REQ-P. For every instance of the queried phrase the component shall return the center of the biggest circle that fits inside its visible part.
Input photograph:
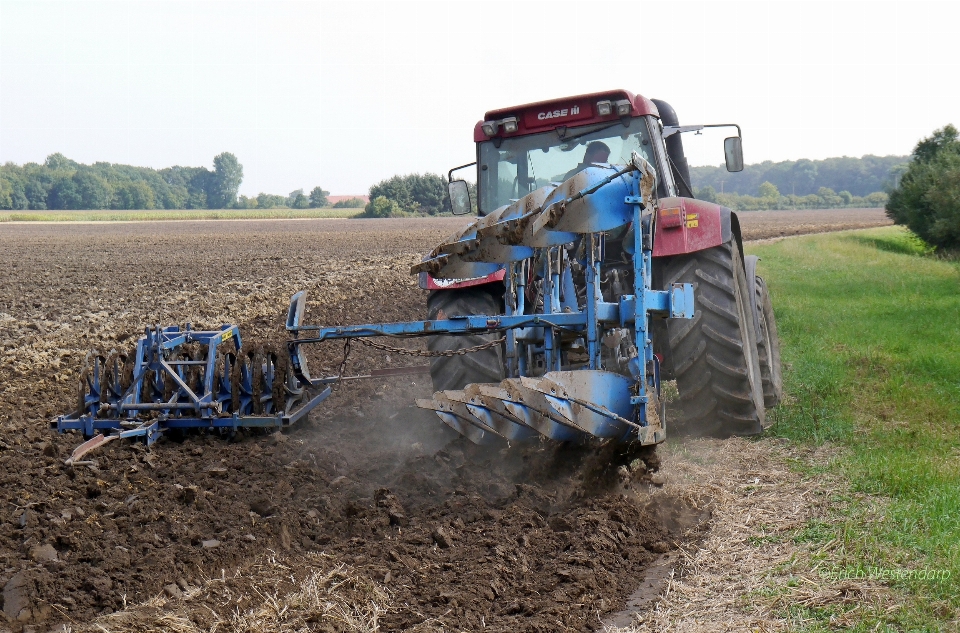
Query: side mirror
(733, 153)
(459, 197)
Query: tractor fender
(427, 282)
(686, 225)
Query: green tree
(707, 194)
(64, 195)
(768, 190)
(382, 207)
(94, 191)
(270, 201)
(318, 198)
(134, 195)
(394, 189)
(297, 200)
(59, 162)
(225, 181)
(36, 194)
(6, 194)
(830, 198)
(927, 200)
(847, 198)
(929, 149)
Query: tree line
(296, 199)
(769, 198)
(61, 183)
(64, 184)
(860, 177)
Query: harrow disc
(112, 377)
(89, 387)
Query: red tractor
(726, 360)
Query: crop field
(366, 516)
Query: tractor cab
(510, 168)
(524, 148)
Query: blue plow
(562, 381)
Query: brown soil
(520, 540)
(759, 225)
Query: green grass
(870, 330)
(179, 214)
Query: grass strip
(870, 329)
(179, 214)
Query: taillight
(671, 218)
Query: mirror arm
(450, 173)
(670, 130)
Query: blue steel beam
(623, 313)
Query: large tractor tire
(768, 347)
(455, 372)
(714, 355)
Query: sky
(345, 94)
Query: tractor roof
(578, 110)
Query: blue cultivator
(185, 379)
(575, 366)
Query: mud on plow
(574, 335)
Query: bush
(927, 200)
(381, 207)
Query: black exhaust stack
(681, 171)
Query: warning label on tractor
(693, 220)
(226, 336)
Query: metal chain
(429, 354)
(343, 363)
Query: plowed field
(452, 537)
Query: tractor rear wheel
(455, 372)
(768, 348)
(714, 355)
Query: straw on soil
(749, 573)
(320, 594)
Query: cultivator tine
(94, 442)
